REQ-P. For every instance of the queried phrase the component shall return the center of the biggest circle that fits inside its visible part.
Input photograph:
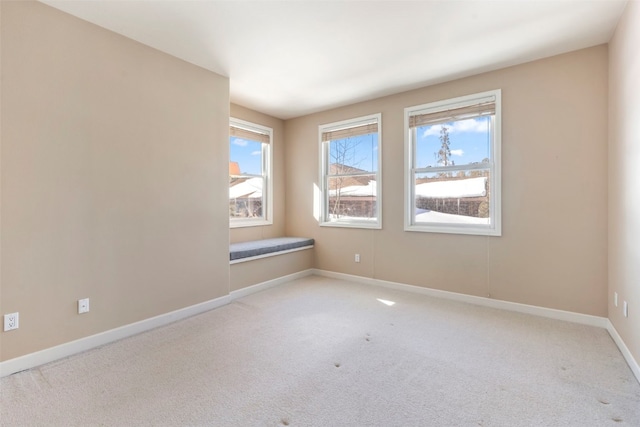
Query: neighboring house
(455, 195)
(352, 196)
(245, 194)
(355, 196)
(245, 197)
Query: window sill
(352, 224)
(448, 229)
(240, 223)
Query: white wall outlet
(615, 299)
(11, 321)
(83, 305)
(625, 309)
(357, 257)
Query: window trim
(324, 165)
(267, 175)
(495, 166)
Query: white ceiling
(291, 58)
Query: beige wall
(277, 228)
(553, 251)
(624, 176)
(114, 158)
(244, 274)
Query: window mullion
(454, 168)
(349, 175)
(247, 175)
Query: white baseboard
(584, 319)
(32, 360)
(633, 364)
(551, 313)
(41, 357)
(269, 284)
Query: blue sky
(248, 154)
(469, 142)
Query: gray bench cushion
(267, 246)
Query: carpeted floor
(325, 352)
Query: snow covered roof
(357, 190)
(251, 188)
(471, 187)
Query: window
(250, 188)
(453, 165)
(350, 168)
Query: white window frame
(494, 228)
(267, 163)
(324, 218)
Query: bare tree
(344, 160)
(444, 154)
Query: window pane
(460, 197)
(352, 197)
(355, 154)
(245, 197)
(247, 155)
(460, 142)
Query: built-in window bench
(256, 249)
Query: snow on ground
(357, 190)
(426, 216)
(443, 218)
(351, 218)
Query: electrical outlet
(357, 257)
(83, 305)
(615, 299)
(625, 309)
(11, 321)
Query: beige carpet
(324, 352)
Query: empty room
(320, 213)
